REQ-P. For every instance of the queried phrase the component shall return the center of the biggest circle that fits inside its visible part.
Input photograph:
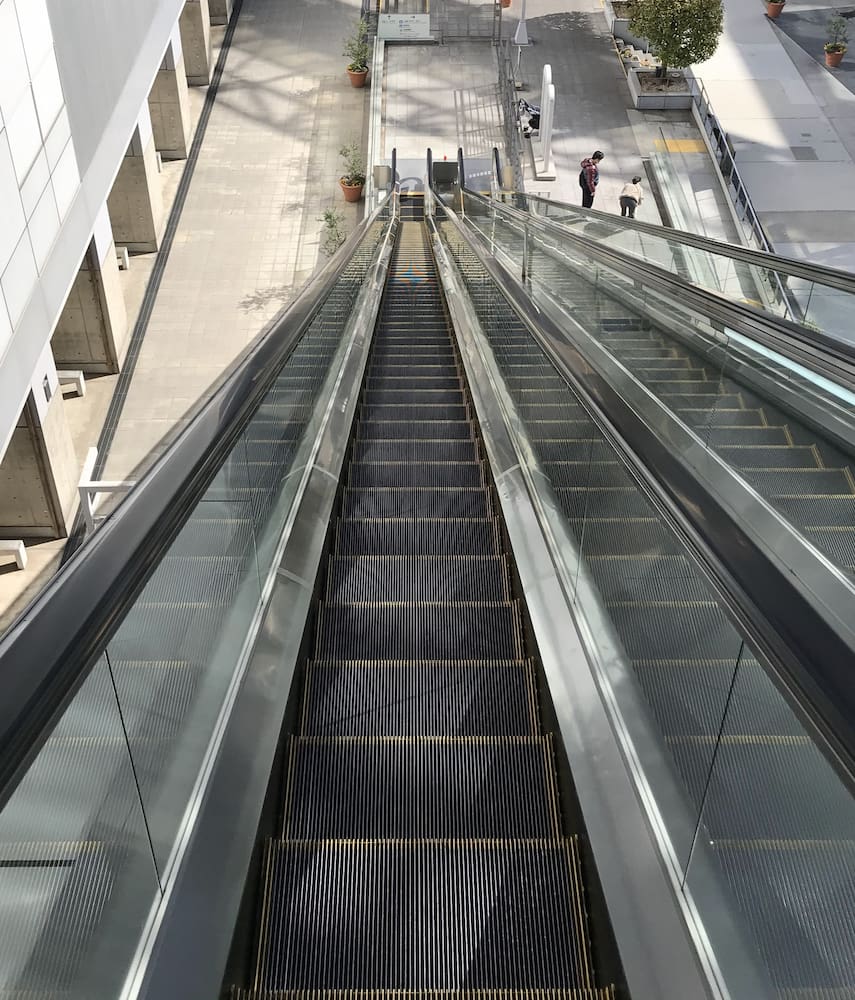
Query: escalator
(795, 465)
(690, 664)
(421, 795)
(330, 688)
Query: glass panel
(77, 879)
(780, 826)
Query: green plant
(837, 35)
(357, 48)
(681, 32)
(354, 165)
(333, 235)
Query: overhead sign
(404, 27)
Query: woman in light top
(630, 197)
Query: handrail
(784, 335)
(820, 273)
(50, 649)
(809, 650)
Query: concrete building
(93, 94)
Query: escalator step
(419, 632)
(413, 412)
(390, 428)
(701, 400)
(414, 698)
(425, 537)
(427, 789)
(789, 481)
(408, 994)
(612, 536)
(424, 916)
(624, 578)
(718, 416)
(414, 450)
(398, 396)
(408, 474)
(429, 502)
(590, 474)
(211, 535)
(412, 381)
(837, 543)
(416, 579)
(612, 501)
(745, 456)
(833, 510)
(679, 631)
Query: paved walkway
(792, 124)
(249, 231)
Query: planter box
(619, 27)
(656, 101)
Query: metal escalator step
(774, 788)
(663, 375)
(549, 412)
(785, 456)
(833, 510)
(415, 450)
(718, 416)
(168, 632)
(653, 578)
(430, 502)
(607, 993)
(722, 436)
(368, 430)
(607, 501)
(621, 536)
(416, 698)
(561, 395)
(430, 396)
(618, 325)
(801, 943)
(789, 481)
(362, 579)
(418, 536)
(413, 412)
(429, 789)
(581, 449)
(651, 351)
(589, 474)
(195, 579)
(837, 543)
(419, 632)
(212, 535)
(700, 400)
(380, 365)
(572, 427)
(675, 631)
(423, 916)
(392, 474)
(519, 383)
(412, 380)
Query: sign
(404, 27)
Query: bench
(16, 548)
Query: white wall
(38, 167)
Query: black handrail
(837, 355)
(51, 648)
(812, 657)
(461, 169)
(498, 166)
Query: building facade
(93, 94)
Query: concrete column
(221, 11)
(39, 471)
(92, 331)
(169, 104)
(195, 27)
(135, 202)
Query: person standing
(630, 198)
(589, 178)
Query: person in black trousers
(589, 178)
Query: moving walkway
(401, 673)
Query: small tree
(354, 165)
(357, 47)
(681, 32)
(333, 235)
(837, 35)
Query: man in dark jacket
(589, 178)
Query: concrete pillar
(39, 471)
(135, 202)
(92, 331)
(195, 27)
(169, 104)
(221, 11)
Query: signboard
(404, 27)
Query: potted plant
(353, 179)
(836, 44)
(333, 235)
(357, 48)
(774, 8)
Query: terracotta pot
(773, 9)
(833, 58)
(357, 78)
(352, 192)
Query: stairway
(421, 851)
(775, 814)
(809, 480)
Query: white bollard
(546, 119)
(544, 89)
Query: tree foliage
(681, 32)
